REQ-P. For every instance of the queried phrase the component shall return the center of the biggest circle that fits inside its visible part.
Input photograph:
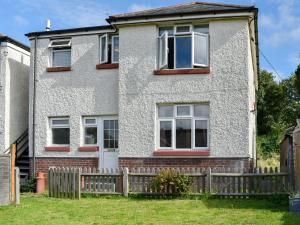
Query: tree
(297, 80)
(270, 97)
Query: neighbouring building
(14, 96)
(166, 87)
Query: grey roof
(187, 8)
(5, 38)
(70, 30)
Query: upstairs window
(60, 131)
(61, 52)
(183, 47)
(109, 49)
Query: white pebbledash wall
(133, 92)
(84, 91)
(14, 83)
(229, 88)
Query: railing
(71, 182)
(21, 144)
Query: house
(166, 87)
(14, 96)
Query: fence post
(79, 183)
(209, 180)
(12, 169)
(125, 182)
(17, 183)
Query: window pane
(60, 122)
(183, 133)
(183, 111)
(90, 121)
(200, 133)
(165, 133)
(165, 111)
(201, 29)
(103, 56)
(200, 49)
(60, 136)
(116, 49)
(111, 133)
(170, 31)
(90, 137)
(201, 111)
(183, 52)
(61, 58)
(183, 29)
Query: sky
(279, 22)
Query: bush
(171, 182)
(28, 185)
(267, 145)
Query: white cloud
(138, 7)
(20, 21)
(284, 25)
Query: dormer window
(109, 49)
(183, 47)
(61, 52)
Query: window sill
(88, 149)
(58, 69)
(58, 149)
(181, 152)
(107, 66)
(182, 71)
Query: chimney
(48, 25)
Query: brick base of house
(43, 164)
(239, 164)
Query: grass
(42, 210)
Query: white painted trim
(105, 60)
(175, 18)
(112, 48)
(60, 50)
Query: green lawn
(117, 210)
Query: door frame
(100, 126)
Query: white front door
(109, 143)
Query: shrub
(28, 185)
(171, 182)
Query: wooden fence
(71, 182)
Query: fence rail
(71, 182)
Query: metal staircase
(22, 155)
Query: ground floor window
(183, 126)
(102, 131)
(60, 131)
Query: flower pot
(294, 204)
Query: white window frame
(60, 46)
(193, 120)
(51, 126)
(61, 50)
(193, 49)
(172, 138)
(102, 132)
(190, 34)
(105, 60)
(112, 48)
(88, 125)
(182, 25)
(163, 63)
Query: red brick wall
(237, 163)
(42, 164)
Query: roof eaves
(4, 38)
(71, 30)
(115, 19)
